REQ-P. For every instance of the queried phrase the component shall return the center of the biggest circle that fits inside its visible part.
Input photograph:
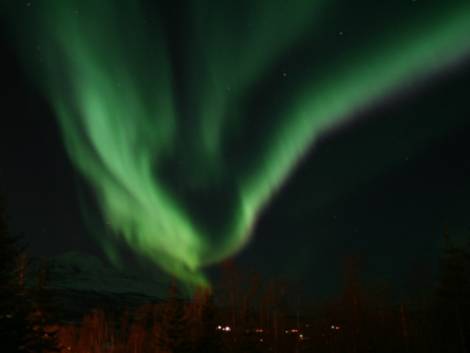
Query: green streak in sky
(168, 111)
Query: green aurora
(187, 119)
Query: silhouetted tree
(43, 310)
(22, 325)
(202, 316)
(453, 302)
(13, 310)
(174, 333)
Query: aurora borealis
(186, 120)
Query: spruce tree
(453, 301)
(22, 329)
(173, 336)
(209, 339)
(13, 302)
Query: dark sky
(384, 187)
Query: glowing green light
(114, 75)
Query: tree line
(244, 313)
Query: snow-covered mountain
(79, 271)
(78, 283)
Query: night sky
(384, 185)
